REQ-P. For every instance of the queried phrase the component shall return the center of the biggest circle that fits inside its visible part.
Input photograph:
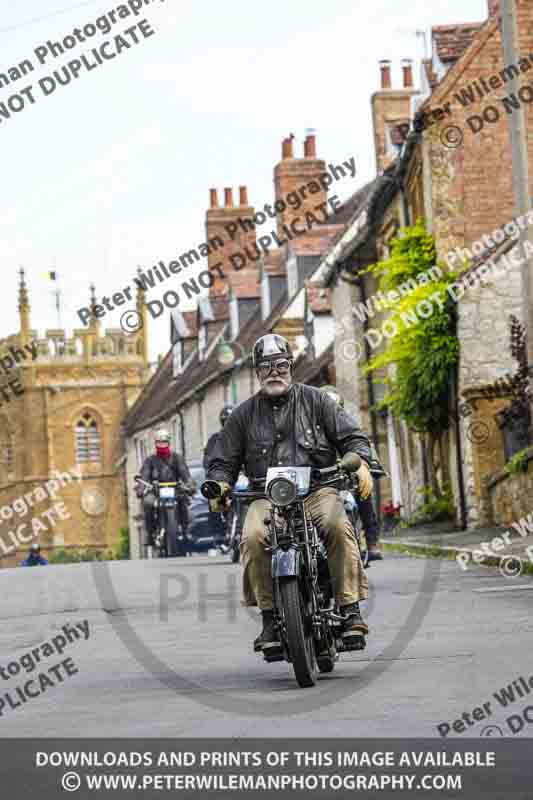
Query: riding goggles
(282, 367)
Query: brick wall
(472, 183)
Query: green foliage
(413, 251)
(424, 351)
(519, 462)
(77, 556)
(433, 509)
(74, 556)
(122, 551)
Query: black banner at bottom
(266, 768)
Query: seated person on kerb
(34, 559)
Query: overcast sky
(114, 169)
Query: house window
(87, 440)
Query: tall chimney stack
(385, 74)
(291, 175)
(229, 233)
(310, 146)
(407, 67)
(286, 148)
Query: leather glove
(366, 484)
(223, 502)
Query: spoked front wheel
(299, 633)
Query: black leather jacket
(166, 470)
(209, 448)
(305, 427)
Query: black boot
(374, 553)
(268, 635)
(355, 629)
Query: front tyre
(171, 532)
(299, 636)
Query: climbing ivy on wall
(425, 349)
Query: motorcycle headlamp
(281, 491)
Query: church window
(88, 448)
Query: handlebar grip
(351, 462)
(211, 490)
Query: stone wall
(511, 496)
(483, 331)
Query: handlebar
(180, 485)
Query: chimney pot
(286, 148)
(384, 66)
(407, 66)
(310, 146)
(228, 196)
(213, 198)
(243, 196)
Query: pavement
(169, 653)
(504, 548)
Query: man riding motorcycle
(163, 466)
(292, 424)
(366, 505)
(215, 520)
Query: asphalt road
(169, 654)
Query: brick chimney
(390, 107)
(407, 69)
(228, 231)
(292, 174)
(384, 67)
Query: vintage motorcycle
(171, 538)
(306, 617)
(236, 519)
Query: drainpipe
(371, 402)
(179, 412)
(458, 451)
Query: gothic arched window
(87, 440)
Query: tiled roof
(352, 206)
(451, 41)
(318, 298)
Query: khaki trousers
(326, 509)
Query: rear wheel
(299, 634)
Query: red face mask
(163, 450)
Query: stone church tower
(62, 402)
